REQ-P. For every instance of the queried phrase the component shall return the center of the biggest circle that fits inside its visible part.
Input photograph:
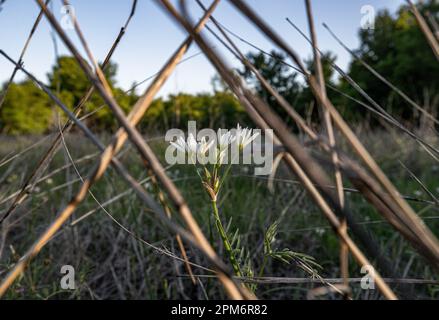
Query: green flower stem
(264, 263)
(225, 239)
(226, 173)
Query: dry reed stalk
(380, 77)
(167, 209)
(433, 23)
(432, 41)
(344, 252)
(20, 59)
(264, 118)
(286, 280)
(378, 110)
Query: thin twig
(20, 59)
(434, 44)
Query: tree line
(395, 48)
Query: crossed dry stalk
(20, 59)
(432, 40)
(344, 252)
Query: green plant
(304, 261)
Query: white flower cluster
(241, 136)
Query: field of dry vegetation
(351, 202)
(136, 261)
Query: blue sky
(152, 36)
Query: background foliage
(396, 48)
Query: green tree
(68, 78)
(225, 111)
(285, 81)
(278, 74)
(26, 110)
(398, 50)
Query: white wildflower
(179, 144)
(224, 140)
(191, 147)
(204, 146)
(244, 136)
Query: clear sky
(152, 36)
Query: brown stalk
(378, 110)
(433, 23)
(380, 77)
(344, 253)
(162, 200)
(425, 29)
(286, 280)
(23, 52)
(143, 148)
